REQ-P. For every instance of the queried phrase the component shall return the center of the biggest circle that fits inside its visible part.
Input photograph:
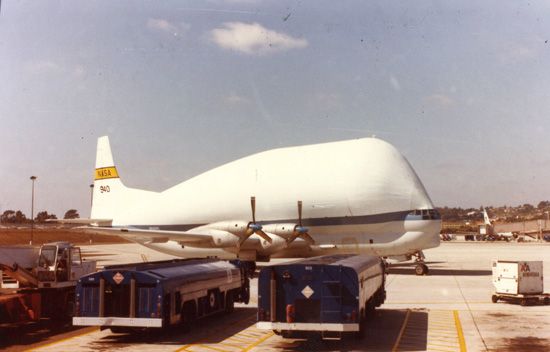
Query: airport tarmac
(448, 310)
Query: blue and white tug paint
(325, 296)
(354, 196)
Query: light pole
(547, 218)
(33, 178)
(92, 194)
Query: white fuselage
(358, 196)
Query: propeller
(253, 227)
(299, 230)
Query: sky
(462, 89)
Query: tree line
(18, 217)
(503, 213)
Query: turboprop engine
(224, 239)
(277, 243)
(289, 231)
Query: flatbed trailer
(323, 297)
(132, 297)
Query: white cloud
(519, 52)
(42, 66)
(234, 99)
(253, 39)
(184, 27)
(328, 100)
(163, 25)
(79, 71)
(395, 83)
(439, 100)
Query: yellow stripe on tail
(106, 172)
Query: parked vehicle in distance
(324, 297)
(519, 282)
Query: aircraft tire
(421, 269)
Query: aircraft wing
(82, 221)
(196, 236)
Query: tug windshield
(47, 257)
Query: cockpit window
(426, 214)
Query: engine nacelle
(282, 230)
(277, 244)
(236, 227)
(224, 239)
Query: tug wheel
(494, 298)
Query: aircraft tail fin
(486, 217)
(111, 197)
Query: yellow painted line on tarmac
(441, 326)
(268, 335)
(63, 340)
(442, 349)
(212, 348)
(445, 331)
(196, 342)
(250, 334)
(243, 341)
(247, 346)
(232, 345)
(459, 331)
(444, 338)
(398, 341)
(453, 346)
(240, 339)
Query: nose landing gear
(420, 268)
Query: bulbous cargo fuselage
(358, 195)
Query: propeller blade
(306, 237)
(299, 230)
(264, 236)
(300, 213)
(249, 231)
(254, 228)
(302, 232)
(294, 236)
(257, 229)
(253, 206)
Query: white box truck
(519, 281)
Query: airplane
(490, 229)
(352, 196)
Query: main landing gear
(420, 268)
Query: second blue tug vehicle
(323, 297)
